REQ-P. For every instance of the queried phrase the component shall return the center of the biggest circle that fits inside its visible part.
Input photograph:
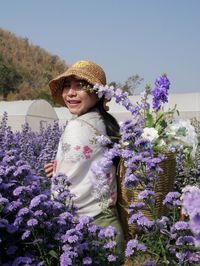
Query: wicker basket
(126, 196)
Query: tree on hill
(9, 79)
(130, 85)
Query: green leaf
(149, 119)
(53, 254)
(161, 126)
(182, 131)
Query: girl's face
(77, 100)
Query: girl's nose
(72, 91)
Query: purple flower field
(34, 228)
(39, 229)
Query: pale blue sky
(126, 37)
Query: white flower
(150, 133)
(182, 132)
(125, 143)
(162, 143)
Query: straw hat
(84, 70)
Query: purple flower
(3, 223)
(32, 222)
(197, 241)
(26, 234)
(93, 228)
(84, 220)
(160, 92)
(141, 220)
(135, 217)
(126, 153)
(179, 226)
(188, 256)
(21, 170)
(65, 260)
(103, 140)
(163, 222)
(145, 194)
(11, 228)
(18, 221)
(23, 211)
(131, 181)
(71, 236)
(195, 224)
(20, 260)
(107, 232)
(37, 200)
(145, 222)
(172, 199)
(18, 190)
(110, 244)
(182, 240)
(119, 95)
(134, 207)
(191, 200)
(38, 213)
(11, 250)
(105, 91)
(3, 200)
(132, 246)
(87, 261)
(153, 162)
(14, 205)
(112, 258)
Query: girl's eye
(66, 85)
(79, 85)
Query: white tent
(63, 115)
(188, 104)
(35, 112)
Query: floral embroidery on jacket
(77, 147)
(77, 152)
(66, 147)
(113, 198)
(87, 152)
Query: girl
(77, 154)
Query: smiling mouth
(73, 102)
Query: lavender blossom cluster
(36, 229)
(160, 92)
(163, 240)
(191, 203)
(188, 172)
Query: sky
(125, 37)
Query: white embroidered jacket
(75, 157)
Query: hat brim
(56, 84)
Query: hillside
(25, 69)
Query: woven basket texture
(127, 196)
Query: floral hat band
(83, 70)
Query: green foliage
(9, 79)
(149, 119)
(26, 69)
(130, 85)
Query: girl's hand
(49, 168)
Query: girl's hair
(111, 124)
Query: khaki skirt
(112, 218)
